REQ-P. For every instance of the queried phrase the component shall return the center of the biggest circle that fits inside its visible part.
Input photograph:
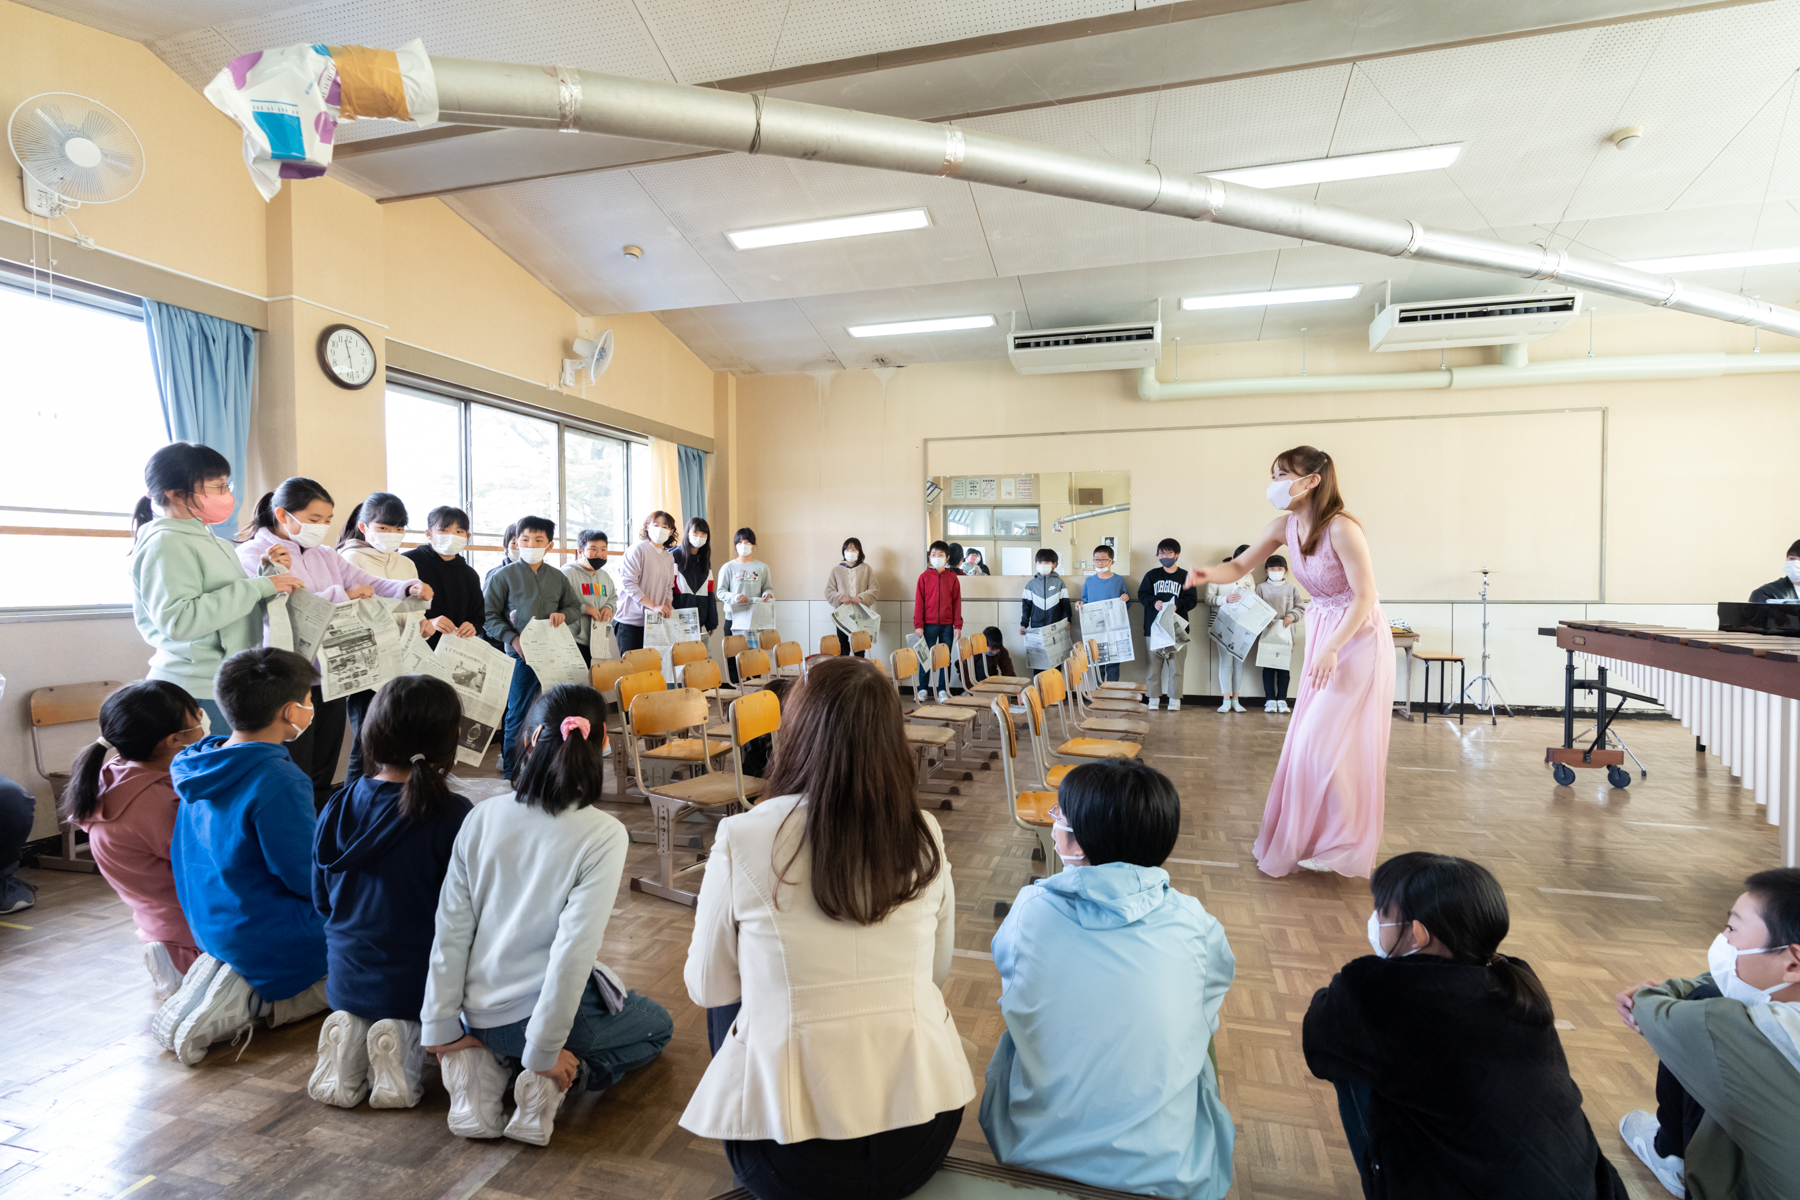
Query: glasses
(1056, 814)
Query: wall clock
(346, 356)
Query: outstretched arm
(1230, 572)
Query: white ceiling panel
(767, 337)
(833, 315)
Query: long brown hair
(1323, 502)
(843, 747)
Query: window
(82, 417)
(968, 522)
(501, 463)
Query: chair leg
(663, 885)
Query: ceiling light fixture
(1260, 299)
(937, 325)
(1347, 166)
(831, 227)
(1717, 262)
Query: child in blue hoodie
(243, 864)
(379, 859)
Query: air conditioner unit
(1483, 321)
(1087, 348)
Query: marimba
(1738, 692)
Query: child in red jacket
(937, 613)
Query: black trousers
(1275, 684)
(356, 707)
(844, 645)
(1678, 1114)
(882, 1166)
(316, 750)
(1353, 1111)
(630, 637)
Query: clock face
(346, 356)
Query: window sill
(88, 612)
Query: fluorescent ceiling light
(1259, 299)
(939, 325)
(1715, 262)
(1348, 166)
(833, 227)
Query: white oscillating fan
(74, 151)
(596, 355)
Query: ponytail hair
(1462, 905)
(133, 721)
(414, 720)
(179, 467)
(293, 494)
(381, 508)
(563, 769)
(1323, 502)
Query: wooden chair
(928, 742)
(603, 677)
(1072, 750)
(67, 704)
(1127, 691)
(978, 704)
(1074, 670)
(753, 670)
(768, 639)
(683, 653)
(1094, 698)
(860, 642)
(630, 686)
(732, 645)
(643, 660)
(1030, 810)
(789, 660)
(830, 646)
(960, 719)
(678, 720)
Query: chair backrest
(906, 663)
(788, 654)
(978, 643)
(703, 675)
(1075, 670)
(604, 675)
(683, 653)
(635, 685)
(753, 663)
(1009, 749)
(1092, 648)
(940, 657)
(861, 643)
(754, 715)
(1034, 709)
(66, 704)
(654, 714)
(735, 644)
(643, 660)
(1050, 687)
(830, 645)
(768, 639)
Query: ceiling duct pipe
(577, 101)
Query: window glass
(641, 504)
(424, 453)
(594, 474)
(73, 370)
(1016, 522)
(967, 522)
(512, 474)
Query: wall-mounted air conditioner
(1483, 321)
(1122, 347)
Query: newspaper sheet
(762, 615)
(663, 633)
(308, 616)
(360, 650)
(1107, 623)
(416, 657)
(1276, 649)
(916, 643)
(281, 625)
(857, 618)
(1169, 629)
(1047, 646)
(552, 653)
(1236, 626)
(482, 676)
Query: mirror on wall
(1009, 517)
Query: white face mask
(531, 554)
(1103, 568)
(309, 535)
(659, 535)
(1793, 570)
(1069, 860)
(1045, 568)
(938, 561)
(448, 543)
(1277, 576)
(745, 550)
(696, 540)
(387, 543)
(1721, 960)
(850, 556)
(1376, 925)
(1279, 492)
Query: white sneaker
(176, 1008)
(538, 1103)
(924, 696)
(1174, 704)
(162, 971)
(341, 1076)
(1268, 706)
(1225, 707)
(396, 1060)
(1313, 864)
(1281, 706)
(223, 1013)
(1153, 701)
(1237, 705)
(476, 1084)
(1638, 1128)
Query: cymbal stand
(1490, 707)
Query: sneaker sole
(175, 1009)
(464, 1121)
(396, 1060)
(339, 1044)
(187, 1049)
(536, 1129)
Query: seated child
(1728, 1085)
(760, 752)
(127, 805)
(532, 881)
(379, 859)
(1109, 934)
(997, 660)
(243, 863)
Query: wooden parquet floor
(1606, 888)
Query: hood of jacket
(121, 782)
(359, 825)
(183, 526)
(209, 768)
(1109, 896)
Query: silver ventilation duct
(577, 101)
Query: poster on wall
(1007, 487)
(959, 488)
(1026, 487)
(990, 490)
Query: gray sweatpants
(1165, 672)
(1231, 672)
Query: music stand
(1491, 708)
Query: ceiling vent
(1484, 321)
(1085, 348)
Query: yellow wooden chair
(750, 718)
(1030, 809)
(1050, 774)
(674, 719)
(861, 643)
(643, 660)
(960, 719)
(683, 653)
(1125, 691)
(768, 639)
(603, 677)
(1108, 724)
(753, 670)
(977, 703)
(928, 742)
(1096, 695)
(789, 660)
(1072, 751)
(630, 686)
(830, 646)
(703, 676)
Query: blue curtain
(205, 367)
(692, 465)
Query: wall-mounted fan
(74, 151)
(595, 356)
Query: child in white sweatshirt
(514, 981)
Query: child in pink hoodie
(127, 805)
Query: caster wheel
(1619, 777)
(1563, 773)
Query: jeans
(1353, 1111)
(881, 1166)
(630, 637)
(356, 707)
(1678, 1114)
(935, 635)
(1275, 684)
(609, 1043)
(1109, 673)
(519, 698)
(316, 750)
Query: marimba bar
(1738, 692)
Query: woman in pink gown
(1326, 802)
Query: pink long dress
(1327, 799)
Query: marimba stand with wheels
(1566, 758)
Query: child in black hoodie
(1159, 588)
(379, 857)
